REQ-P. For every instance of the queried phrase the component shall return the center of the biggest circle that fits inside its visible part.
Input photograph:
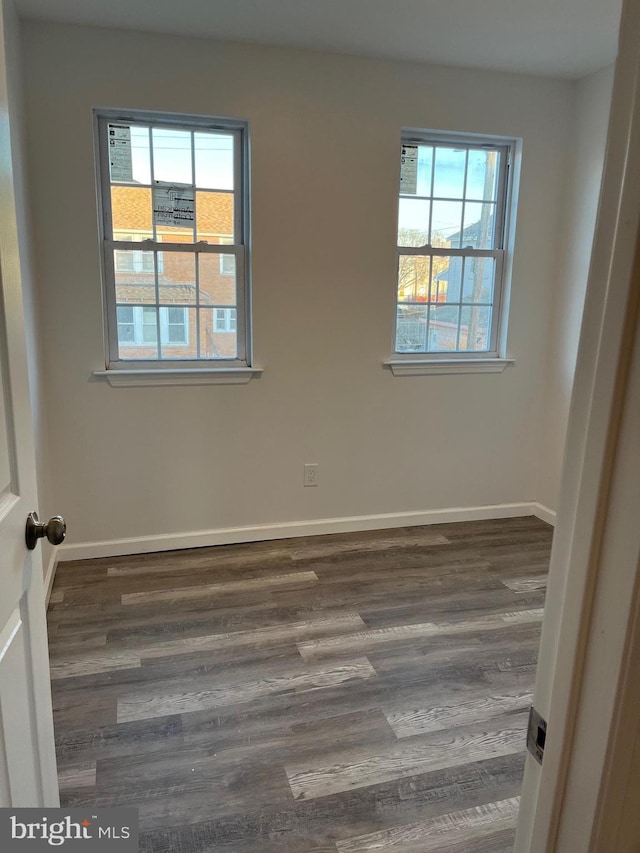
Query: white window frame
(239, 248)
(139, 324)
(425, 361)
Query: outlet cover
(311, 474)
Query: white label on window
(120, 153)
(409, 169)
(173, 204)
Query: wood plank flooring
(336, 694)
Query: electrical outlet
(311, 474)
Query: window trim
(241, 249)
(505, 222)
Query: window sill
(179, 376)
(419, 366)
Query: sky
(449, 190)
(172, 158)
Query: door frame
(566, 802)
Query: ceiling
(557, 38)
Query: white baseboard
(290, 529)
(50, 574)
(544, 513)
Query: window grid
(236, 248)
(155, 254)
(462, 220)
(495, 202)
(195, 236)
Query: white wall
(589, 135)
(325, 133)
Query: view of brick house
(184, 293)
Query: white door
(27, 753)
(590, 637)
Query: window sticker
(409, 169)
(120, 153)
(173, 204)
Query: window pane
(446, 224)
(413, 222)
(131, 213)
(177, 277)
(134, 263)
(125, 333)
(123, 261)
(175, 333)
(475, 327)
(172, 155)
(447, 279)
(413, 278)
(448, 178)
(214, 217)
(176, 321)
(129, 160)
(135, 279)
(411, 328)
(479, 225)
(125, 314)
(174, 212)
(214, 343)
(119, 148)
(443, 328)
(217, 279)
(482, 175)
(425, 165)
(126, 329)
(140, 155)
(479, 277)
(214, 161)
(227, 264)
(136, 337)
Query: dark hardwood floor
(336, 694)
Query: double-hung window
(451, 246)
(174, 223)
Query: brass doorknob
(55, 530)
